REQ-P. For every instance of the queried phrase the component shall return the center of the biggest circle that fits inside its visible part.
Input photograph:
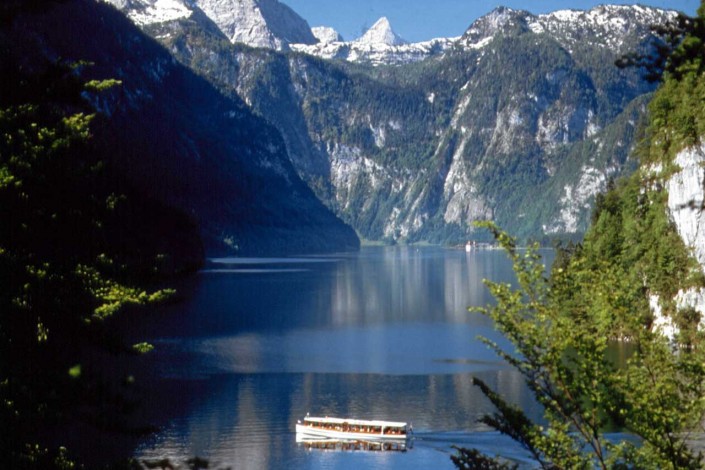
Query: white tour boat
(362, 429)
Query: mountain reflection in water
(380, 334)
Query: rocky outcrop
(326, 35)
(686, 199)
(686, 207)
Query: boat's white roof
(357, 422)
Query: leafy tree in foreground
(681, 45)
(561, 328)
(62, 274)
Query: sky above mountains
(420, 20)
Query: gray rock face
(686, 203)
(686, 199)
(258, 23)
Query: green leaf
(75, 371)
(142, 348)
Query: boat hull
(347, 435)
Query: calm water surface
(383, 334)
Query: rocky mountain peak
(258, 23)
(613, 27)
(499, 20)
(381, 33)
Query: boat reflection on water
(326, 444)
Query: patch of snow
(396, 125)
(158, 11)
(379, 135)
(460, 110)
(326, 35)
(377, 53)
(479, 44)
(604, 26)
(576, 199)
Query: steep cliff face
(686, 209)
(686, 199)
(531, 151)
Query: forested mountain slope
(523, 120)
(178, 139)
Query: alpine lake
(254, 344)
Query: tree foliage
(62, 275)
(680, 49)
(561, 327)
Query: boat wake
(491, 443)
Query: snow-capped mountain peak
(498, 20)
(381, 33)
(258, 23)
(607, 26)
